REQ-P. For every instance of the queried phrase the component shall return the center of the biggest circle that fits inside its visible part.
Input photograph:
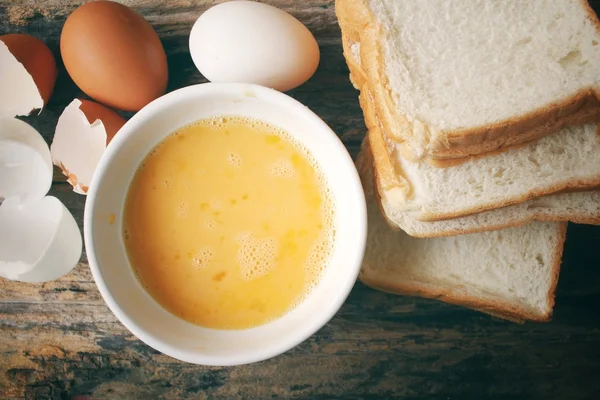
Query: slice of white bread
(579, 207)
(453, 78)
(510, 273)
(568, 160)
(565, 161)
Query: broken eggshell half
(27, 74)
(83, 131)
(39, 238)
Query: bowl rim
(314, 324)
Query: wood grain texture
(58, 340)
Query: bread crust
(359, 24)
(497, 308)
(515, 223)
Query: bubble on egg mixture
(315, 265)
(203, 258)
(210, 224)
(234, 159)
(282, 169)
(320, 253)
(256, 257)
(182, 209)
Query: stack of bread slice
(483, 142)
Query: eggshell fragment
(25, 162)
(27, 74)
(252, 42)
(39, 238)
(39, 241)
(83, 131)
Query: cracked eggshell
(25, 162)
(39, 241)
(83, 131)
(27, 74)
(39, 238)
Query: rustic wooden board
(58, 340)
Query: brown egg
(37, 59)
(114, 55)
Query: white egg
(251, 42)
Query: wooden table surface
(59, 340)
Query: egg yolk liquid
(228, 223)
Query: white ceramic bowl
(117, 283)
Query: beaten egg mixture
(228, 223)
